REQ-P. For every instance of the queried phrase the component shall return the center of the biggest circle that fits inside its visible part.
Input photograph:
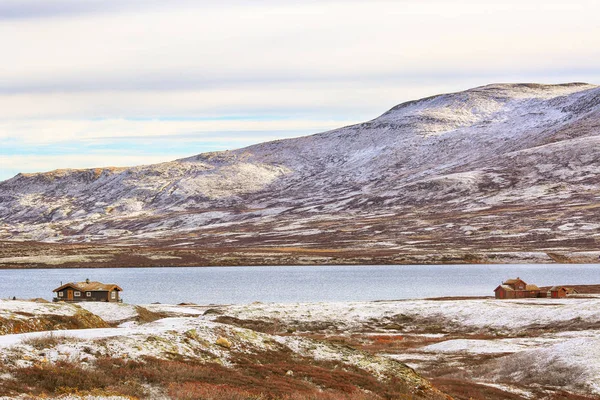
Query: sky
(92, 83)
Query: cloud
(202, 47)
(327, 101)
(41, 145)
(14, 164)
(91, 75)
(26, 9)
(20, 9)
(44, 132)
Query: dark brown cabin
(517, 289)
(88, 291)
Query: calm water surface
(228, 285)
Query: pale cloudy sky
(87, 83)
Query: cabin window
(77, 293)
(113, 295)
(88, 294)
(60, 294)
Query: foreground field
(466, 348)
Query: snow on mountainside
(514, 164)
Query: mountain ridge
(428, 163)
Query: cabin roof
(557, 288)
(513, 281)
(531, 287)
(565, 288)
(89, 286)
(505, 287)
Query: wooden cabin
(88, 291)
(517, 289)
(557, 292)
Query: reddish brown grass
(467, 390)
(265, 376)
(64, 377)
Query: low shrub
(194, 390)
(47, 341)
(144, 315)
(258, 376)
(54, 378)
(68, 378)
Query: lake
(227, 285)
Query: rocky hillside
(493, 174)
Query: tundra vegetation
(413, 349)
(179, 356)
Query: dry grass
(462, 389)
(192, 391)
(276, 327)
(81, 320)
(383, 343)
(264, 326)
(467, 390)
(223, 342)
(375, 344)
(532, 371)
(144, 315)
(265, 376)
(65, 377)
(47, 341)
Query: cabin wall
(103, 296)
(559, 293)
(501, 293)
(518, 294)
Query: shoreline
(85, 266)
(583, 292)
(358, 263)
(31, 254)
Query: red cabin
(557, 292)
(517, 289)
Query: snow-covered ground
(190, 337)
(477, 314)
(110, 312)
(537, 332)
(159, 339)
(551, 343)
(16, 308)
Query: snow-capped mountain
(488, 172)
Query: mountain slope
(500, 172)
